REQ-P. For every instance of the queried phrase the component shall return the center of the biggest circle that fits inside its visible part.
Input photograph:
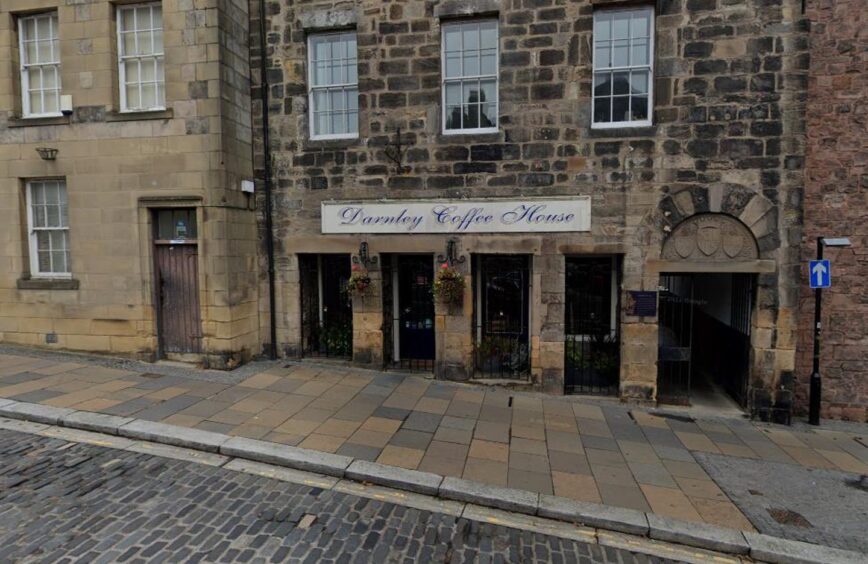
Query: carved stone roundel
(710, 237)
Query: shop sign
(458, 216)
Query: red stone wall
(836, 204)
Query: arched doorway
(706, 290)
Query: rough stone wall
(115, 167)
(836, 205)
(727, 137)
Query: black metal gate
(675, 338)
(326, 307)
(408, 311)
(502, 335)
(592, 346)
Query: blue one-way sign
(820, 273)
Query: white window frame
(311, 89)
(122, 58)
(33, 242)
(649, 67)
(443, 80)
(26, 66)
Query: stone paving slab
(572, 447)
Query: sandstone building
(125, 136)
(618, 183)
(835, 205)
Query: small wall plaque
(642, 303)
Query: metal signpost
(820, 276)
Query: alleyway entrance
(704, 339)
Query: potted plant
(359, 281)
(449, 284)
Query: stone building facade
(690, 253)
(835, 206)
(128, 233)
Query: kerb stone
(401, 478)
(34, 412)
(492, 496)
(99, 422)
(593, 515)
(700, 535)
(782, 551)
(172, 435)
(291, 457)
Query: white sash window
(40, 65)
(48, 226)
(333, 85)
(470, 68)
(140, 58)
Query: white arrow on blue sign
(820, 273)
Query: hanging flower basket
(449, 284)
(359, 281)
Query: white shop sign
(458, 216)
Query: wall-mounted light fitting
(47, 153)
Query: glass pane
(489, 62)
(58, 260)
(640, 52)
(43, 242)
(602, 27)
(602, 56)
(149, 95)
(471, 63)
(320, 100)
(36, 103)
(337, 99)
(352, 72)
(619, 108)
(159, 69)
(44, 52)
(601, 110)
(471, 92)
(453, 117)
(38, 216)
(322, 123)
(337, 73)
(133, 96)
(58, 240)
(620, 53)
(49, 78)
(37, 193)
(161, 94)
(621, 25)
(158, 41)
(640, 107)
(64, 215)
(352, 52)
(52, 216)
(602, 84)
(131, 71)
(488, 118)
(452, 38)
(453, 65)
(352, 122)
(489, 91)
(339, 47)
(157, 16)
(621, 83)
(471, 116)
(51, 102)
(129, 43)
(488, 34)
(143, 17)
(29, 29)
(338, 123)
(470, 36)
(321, 73)
(639, 24)
(453, 94)
(44, 261)
(639, 82)
(30, 53)
(149, 70)
(321, 49)
(352, 99)
(128, 20)
(35, 78)
(43, 27)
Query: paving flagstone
(577, 448)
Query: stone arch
(710, 237)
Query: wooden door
(176, 283)
(416, 308)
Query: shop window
(623, 67)
(48, 228)
(470, 68)
(333, 89)
(140, 58)
(40, 65)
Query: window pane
(58, 261)
(488, 62)
(352, 72)
(620, 53)
(320, 100)
(639, 24)
(44, 258)
(336, 73)
(453, 94)
(602, 27)
(52, 216)
(43, 240)
(43, 28)
(488, 34)
(471, 63)
(352, 51)
(149, 95)
(621, 83)
(489, 91)
(30, 50)
(49, 78)
(35, 78)
(337, 123)
(321, 49)
(640, 52)
(488, 118)
(621, 25)
(453, 65)
(43, 52)
(36, 103)
(158, 41)
(453, 117)
(601, 110)
(133, 100)
(639, 82)
(149, 68)
(352, 99)
(128, 19)
(619, 108)
(129, 44)
(602, 56)
(452, 38)
(353, 122)
(471, 92)
(602, 84)
(640, 107)
(471, 116)
(322, 123)
(470, 37)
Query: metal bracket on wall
(449, 258)
(363, 257)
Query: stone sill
(464, 138)
(36, 122)
(136, 116)
(47, 284)
(315, 144)
(623, 132)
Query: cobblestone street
(63, 502)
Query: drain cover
(150, 375)
(787, 517)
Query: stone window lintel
(327, 20)
(466, 8)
